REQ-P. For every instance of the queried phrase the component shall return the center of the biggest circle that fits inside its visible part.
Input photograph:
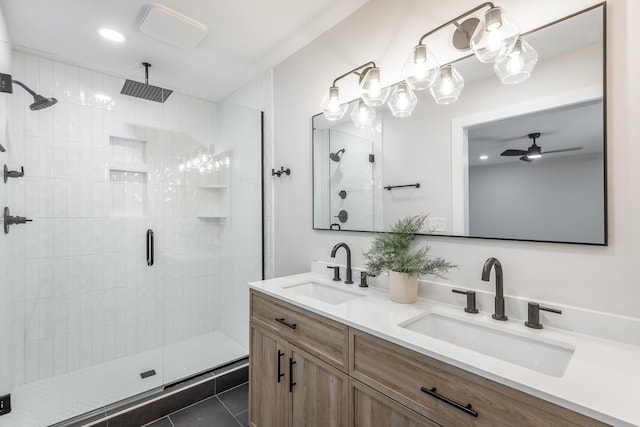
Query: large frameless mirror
(519, 162)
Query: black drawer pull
(285, 323)
(291, 383)
(456, 405)
(280, 354)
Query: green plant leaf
(392, 251)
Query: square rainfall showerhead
(145, 90)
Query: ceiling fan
(534, 151)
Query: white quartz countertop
(602, 379)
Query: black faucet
(499, 299)
(346, 248)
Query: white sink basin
(326, 293)
(544, 356)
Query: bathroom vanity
(329, 354)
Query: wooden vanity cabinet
(310, 371)
(290, 386)
(448, 395)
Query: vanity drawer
(324, 338)
(401, 374)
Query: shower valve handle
(12, 174)
(13, 220)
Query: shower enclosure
(147, 225)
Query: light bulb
(494, 36)
(516, 66)
(373, 94)
(402, 101)
(421, 68)
(181, 167)
(189, 164)
(362, 115)
(374, 89)
(448, 87)
(494, 39)
(331, 106)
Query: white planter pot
(403, 288)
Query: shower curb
(154, 404)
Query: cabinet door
(319, 394)
(268, 380)
(373, 409)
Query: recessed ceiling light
(484, 157)
(112, 35)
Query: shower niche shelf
(128, 175)
(212, 189)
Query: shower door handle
(149, 247)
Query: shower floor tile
(52, 400)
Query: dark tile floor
(228, 409)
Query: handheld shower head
(336, 156)
(39, 101)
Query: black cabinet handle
(467, 409)
(280, 354)
(149, 247)
(285, 323)
(291, 383)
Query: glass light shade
(373, 94)
(448, 86)
(421, 68)
(331, 106)
(516, 66)
(402, 101)
(362, 115)
(495, 35)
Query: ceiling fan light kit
(534, 151)
(493, 38)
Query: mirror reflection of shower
(337, 155)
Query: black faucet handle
(336, 272)
(533, 315)
(363, 278)
(471, 300)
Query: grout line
(171, 421)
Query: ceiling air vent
(172, 27)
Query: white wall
(603, 278)
(555, 199)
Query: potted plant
(393, 251)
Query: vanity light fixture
(373, 93)
(493, 38)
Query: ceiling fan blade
(525, 158)
(513, 152)
(563, 150)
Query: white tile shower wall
(82, 292)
